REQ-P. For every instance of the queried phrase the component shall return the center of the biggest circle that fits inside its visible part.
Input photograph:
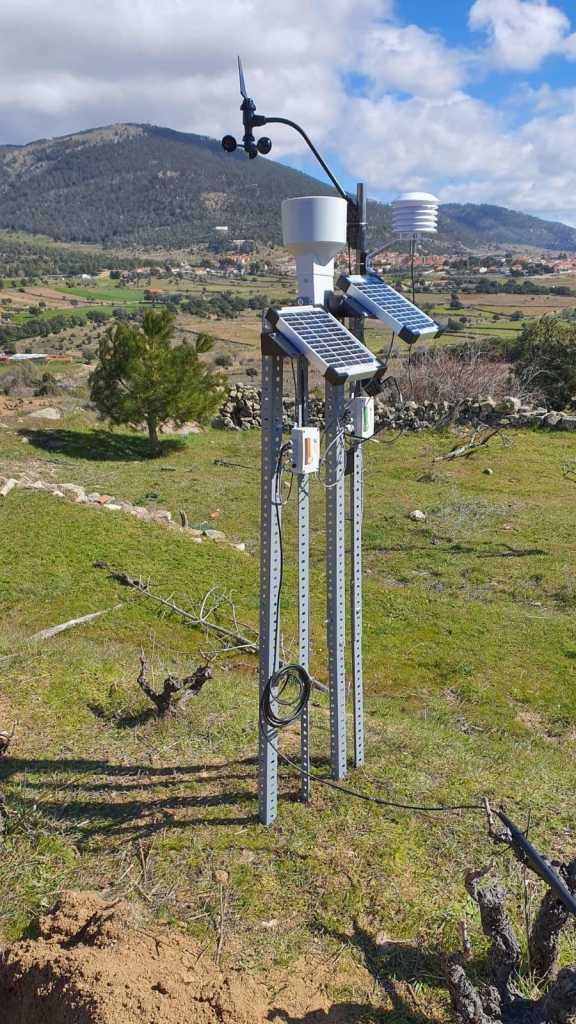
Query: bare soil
(94, 962)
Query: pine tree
(141, 378)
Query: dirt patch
(94, 962)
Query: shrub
(545, 352)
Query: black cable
(443, 809)
(281, 680)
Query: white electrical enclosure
(326, 343)
(362, 413)
(305, 456)
(381, 301)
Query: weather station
(313, 334)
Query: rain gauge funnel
(314, 230)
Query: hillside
(153, 187)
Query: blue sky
(473, 100)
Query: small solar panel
(386, 304)
(326, 343)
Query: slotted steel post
(303, 574)
(356, 600)
(335, 576)
(270, 574)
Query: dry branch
(236, 636)
(46, 634)
(471, 446)
(188, 687)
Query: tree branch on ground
(187, 688)
(479, 439)
(234, 636)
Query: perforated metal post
(356, 501)
(335, 576)
(303, 574)
(270, 574)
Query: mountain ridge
(149, 186)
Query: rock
(192, 532)
(553, 419)
(74, 490)
(57, 493)
(214, 534)
(112, 507)
(8, 486)
(239, 547)
(93, 496)
(47, 413)
(140, 512)
(162, 516)
(568, 423)
(487, 406)
(488, 472)
(220, 876)
(417, 516)
(103, 499)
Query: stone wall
(241, 411)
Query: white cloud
(67, 66)
(522, 33)
(411, 60)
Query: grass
(470, 659)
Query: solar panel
(386, 304)
(326, 343)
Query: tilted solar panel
(386, 304)
(326, 343)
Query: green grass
(470, 665)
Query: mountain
(469, 224)
(129, 184)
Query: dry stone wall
(242, 411)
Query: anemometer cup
(229, 143)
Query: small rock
(269, 926)
(220, 876)
(417, 516)
(8, 486)
(140, 512)
(112, 507)
(162, 516)
(192, 532)
(488, 472)
(48, 413)
(57, 493)
(73, 489)
(103, 499)
(239, 547)
(93, 496)
(214, 534)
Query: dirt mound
(94, 964)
